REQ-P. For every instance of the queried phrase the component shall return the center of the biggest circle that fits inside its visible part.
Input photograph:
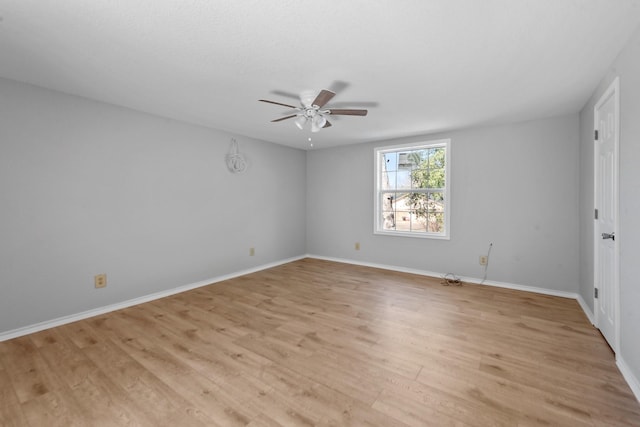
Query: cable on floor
(451, 279)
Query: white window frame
(378, 190)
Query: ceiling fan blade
(347, 112)
(323, 97)
(277, 103)
(284, 118)
(327, 125)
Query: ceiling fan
(312, 110)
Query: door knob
(611, 236)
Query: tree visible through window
(411, 190)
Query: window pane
(428, 178)
(389, 162)
(418, 224)
(403, 180)
(436, 202)
(436, 178)
(407, 160)
(402, 201)
(388, 221)
(388, 201)
(435, 222)
(388, 181)
(388, 206)
(403, 221)
(420, 178)
(418, 202)
(421, 157)
(436, 157)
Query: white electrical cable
(451, 279)
(487, 264)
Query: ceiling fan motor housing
(311, 112)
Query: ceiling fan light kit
(312, 110)
(317, 123)
(300, 121)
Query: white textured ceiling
(418, 66)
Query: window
(412, 190)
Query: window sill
(412, 235)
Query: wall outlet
(484, 260)
(100, 281)
(357, 246)
(252, 251)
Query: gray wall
(513, 185)
(627, 66)
(90, 188)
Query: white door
(606, 215)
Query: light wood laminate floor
(316, 343)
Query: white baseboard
(375, 265)
(474, 280)
(135, 301)
(631, 379)
(586, 309)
